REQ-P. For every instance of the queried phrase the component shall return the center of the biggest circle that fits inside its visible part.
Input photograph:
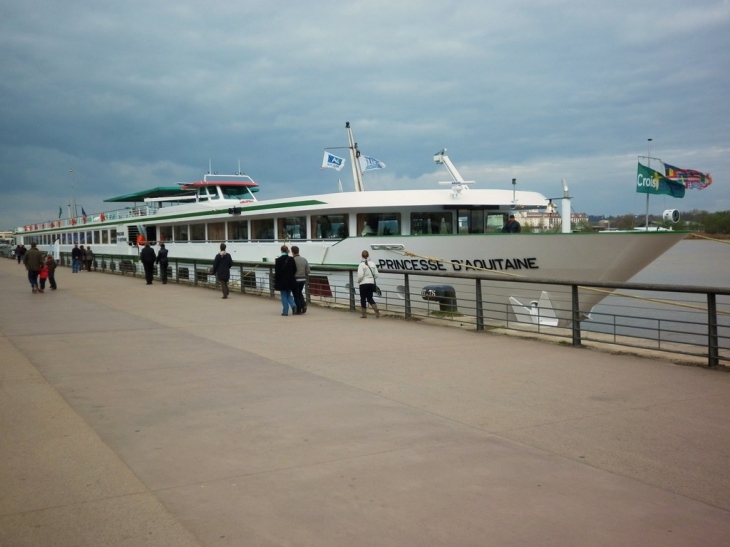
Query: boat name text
(457, 265)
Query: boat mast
(354, 158)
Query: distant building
(549, 221)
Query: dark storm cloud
(139, 94)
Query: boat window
(97, 236)
(382, 224)
(105, 237)
(213, 192)
(236, 192)
(217, 231)
(329, 226)
(113, 235)
(292, 227)
(181, 232)
(197, 232)
(262, 229)
(89, 238)
(238, 231)
(431, 223)
(471, 221)
(165, 233)
(495, 222)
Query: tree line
(695, 220)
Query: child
(51, 264)
(43, 275)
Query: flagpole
(648, 161)
(73, 193)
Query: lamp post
(648, 163)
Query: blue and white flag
(368, 164)
(332, 161)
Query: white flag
(332, 161)
(368, 164)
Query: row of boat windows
(227, 192)
(296, 227)
(89, 237)
(334, 226)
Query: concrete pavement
(162, 415)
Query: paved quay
(135, 415)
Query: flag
(689, 177)
(83, 212)
(368, 164)
(60, 212)
(649, 181)
(332, 161)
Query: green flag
(649, 181)
(60, 212)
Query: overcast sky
(136, 94)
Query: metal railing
(676, 319)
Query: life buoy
(102, 217)
(84, 219)
(73, 222)
(141, 240)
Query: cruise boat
(453, 227)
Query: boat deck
(163, 415)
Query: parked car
(7, 251)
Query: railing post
(576, 316)
(480, 306)
(408, 296)
(713, 350)
(352, 290)
(271, 285)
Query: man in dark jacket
(33, 263)
(76, 256)
(148, 257)
(162, 261)
(285, 281)
(222, 269)
(512, 226)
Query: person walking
(51, 264)
(76, 255)
(89, 257)
(222, 269)
(367, 273)
(33, 263)
(19, 253)
(285, 281)
(148, 257)
(301, 276)
(162, 261)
